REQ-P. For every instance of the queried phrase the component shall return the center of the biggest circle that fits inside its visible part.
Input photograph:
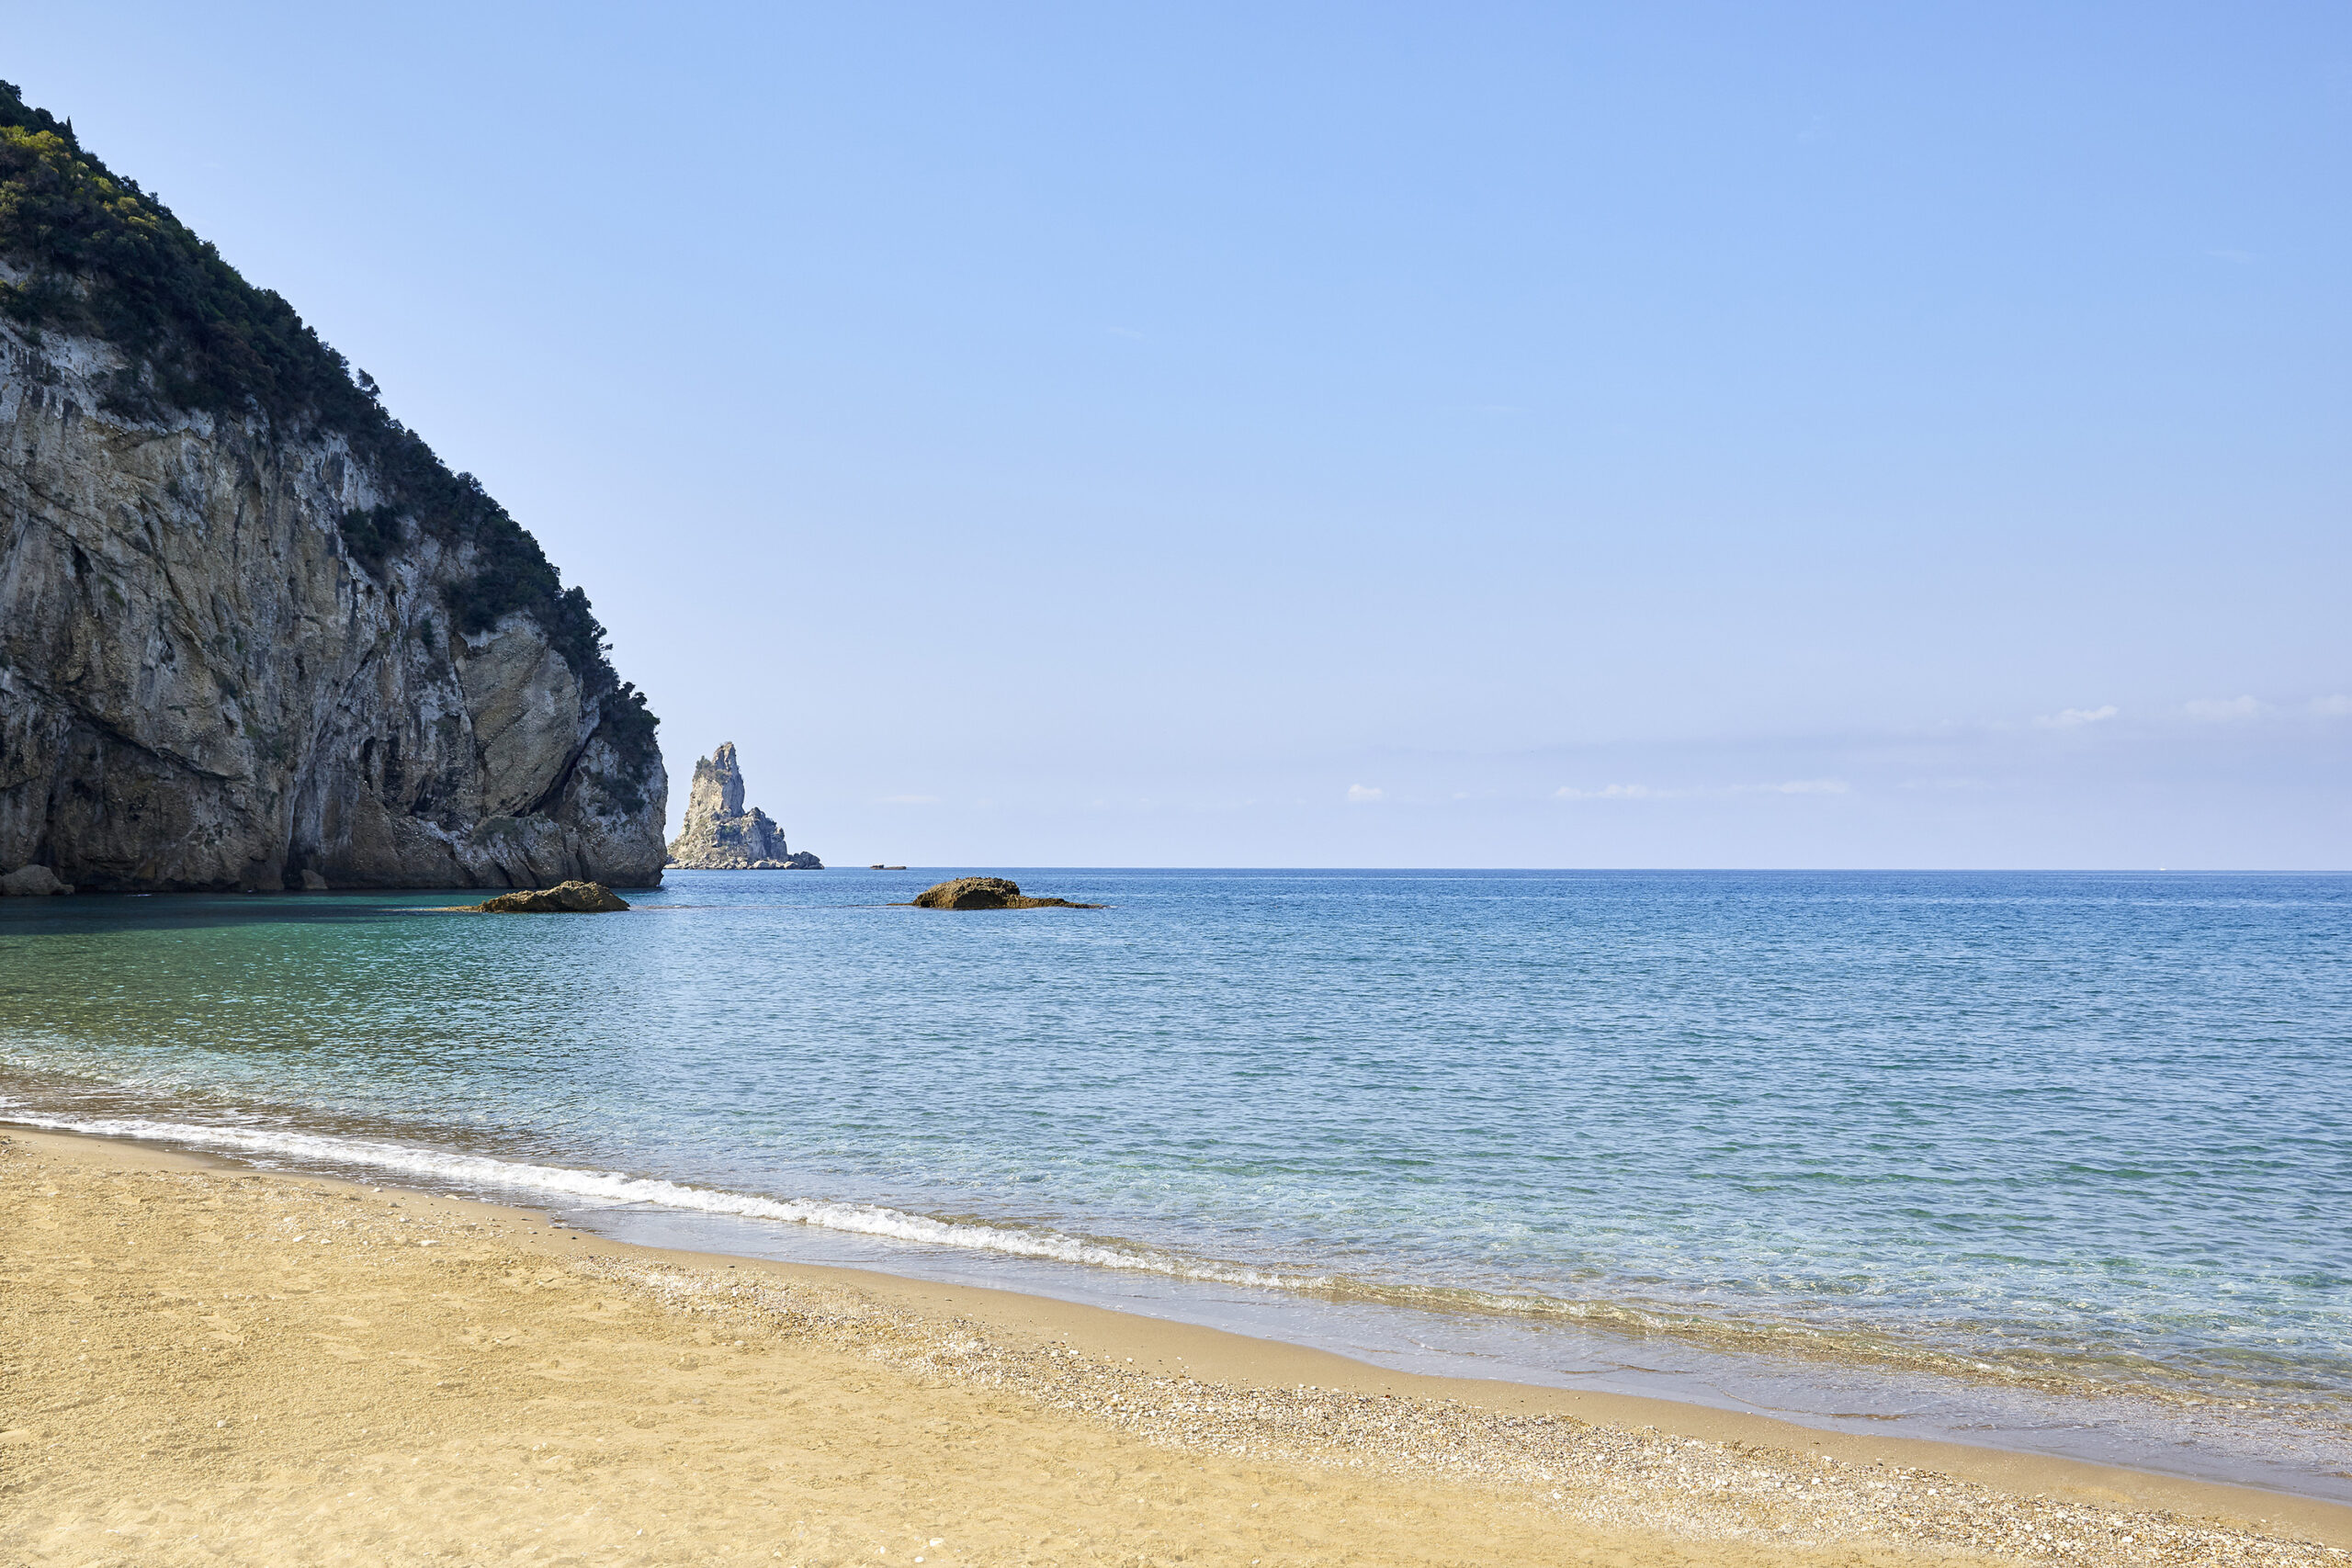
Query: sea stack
(721, 835)
(252, 633)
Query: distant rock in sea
(721, 835)
(563, 899)
(986, 893)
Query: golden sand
(203, 1365)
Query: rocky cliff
(253, 634)
(721, 835)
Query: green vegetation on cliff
(90, 253)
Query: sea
(2051, 1162)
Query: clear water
(2029, 1154)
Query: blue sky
(1364, 435)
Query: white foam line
(614, 1187)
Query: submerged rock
(563, 899)
(721, 835)
(31, 882)
(986, 893)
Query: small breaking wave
(617, 1189)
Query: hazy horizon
(1331, 437)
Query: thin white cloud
(911, 800)
(1362, 793)
(1611, 792)
(2074, 718)
(1649, 791)
(2223, 710)
(2335, 706)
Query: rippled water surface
(2047, 1132)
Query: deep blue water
(2071, 1129)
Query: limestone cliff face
(208, 679)
(721, 835)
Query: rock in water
(986, 893)
(31, 882)
(721, 835)
(563, 899)
(250, 625)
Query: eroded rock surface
(721, 835)
(200, 688)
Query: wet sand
(200, 1364)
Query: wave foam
(618, 1188)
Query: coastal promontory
(721, 834)
(253, 634)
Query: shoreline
(1639, 1271)
(1320, 1387)
(1815, 1390)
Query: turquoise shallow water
(2043, 1137)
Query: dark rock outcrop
(986, 893)
(721, 835)
(32, 882)
(564, 898)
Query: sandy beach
(210, 1365)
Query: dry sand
(203, 1365)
